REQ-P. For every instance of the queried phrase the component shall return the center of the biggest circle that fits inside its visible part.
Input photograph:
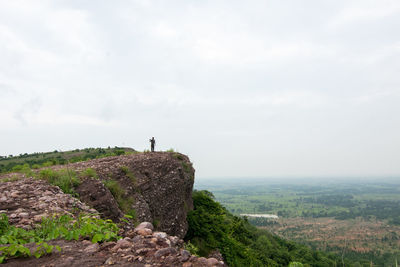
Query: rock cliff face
(160, 183)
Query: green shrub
(17, 168)
(186, 167)
(4, 225)
(89, 173)
(119, 152)
(36, 166)
(132, 212)
(124, 203)
(66, 180)
(212, 227)
(26, 169)
(156, 223)
(191, 248)
(114, 188)
(178, 156)
(296, 264)
(47, 164)
(128, 173)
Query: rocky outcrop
(160, 183)
(140, 248)
(95, 194)
(26, 201)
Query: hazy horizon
(262, 88)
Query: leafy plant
(62, 227)
(43, 249)
(191, 248)
(296, 264)
(13, 251)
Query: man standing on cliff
(153, 143)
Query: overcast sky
(245, 88)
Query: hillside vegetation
(212, 227)
(358, 219)
(45, 159)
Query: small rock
(160, 235)
(144, 232)
(202, 260)
(92, 248)
(122, 244)
(212, 261)
(187, 264)
(87, 242)
(165, 252)
(107, 245)
(137, 238)
(174, 239)
(185, 255)
(25, 221)
(109, 261)
(67, 262)
(145, 225)
(38, 218)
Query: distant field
(358, 218)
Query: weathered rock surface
(93, 192)
(152, 250)
(161, 184)
(27, 200)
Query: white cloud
(304, 78)
(365, 11)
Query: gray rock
(145, 225)
(124, 243)
(165, 252)
(185, 255)
(160, 235)
(92, 248)
(212, 262)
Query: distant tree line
(38, 160)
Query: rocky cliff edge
(158, 183)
